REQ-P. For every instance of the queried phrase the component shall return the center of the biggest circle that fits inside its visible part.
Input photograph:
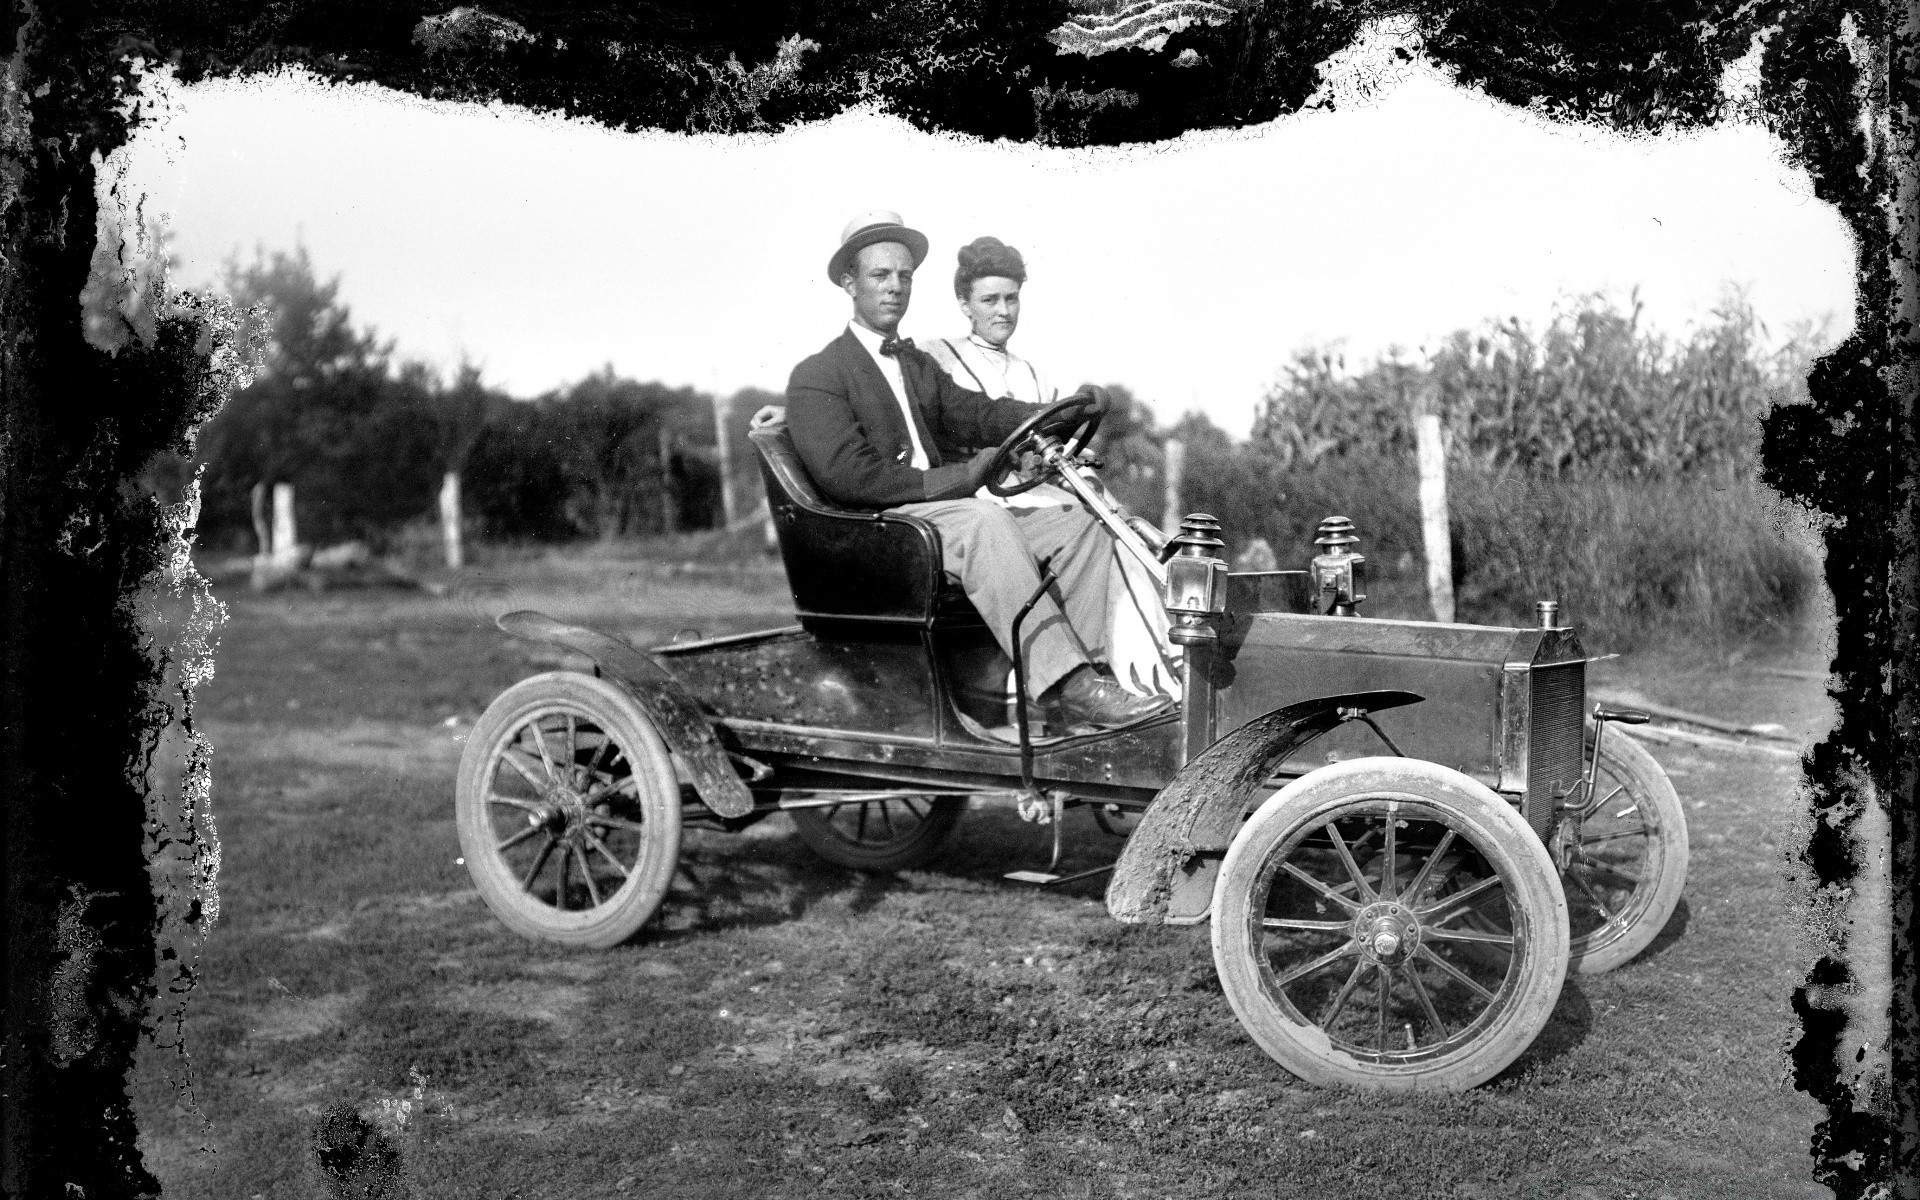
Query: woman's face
(992, 306)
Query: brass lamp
(1338, 576)
(1196, 590)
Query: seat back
(845, 564)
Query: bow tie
(895, 346)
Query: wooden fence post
(1176, 471)
(286, 538)
(669, 506)
(262, 531)
(723, 447)
(450, 518)
(1434, 524)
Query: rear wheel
(896, 833)
(1624, 865)
(568, 810)
(1343, 932)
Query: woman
(987, 285)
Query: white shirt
(890, 367)
(982, 366)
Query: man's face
(880, 283)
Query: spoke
(1339, 952)
(1346, 990)
(1606, 914)
(1454, 971)
(918, 815)
(593, 840)
(593, 764)
(1388, 880)
(860, 829)
(540, 740)
(1353, 869)
(1384, 995)
(1426, 1002)
(1608, 798)
(1641, 831)
(886, 814)
(533, 872)
(1596, 864)
(517, 838)
(560, 892)
(573, 743)
(1448, 907)
(615, 822)
(1314, 926)
(513, 755)
(531, 806)
(586, 873)
(1322, 888)
(1426, 869)
(626, 783)
(1468, 935)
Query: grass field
(793, 1029)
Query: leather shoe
(1087, 699)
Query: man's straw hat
(868, 228)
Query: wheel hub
(1387, 932)
(563, 812)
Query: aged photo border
(107, 629)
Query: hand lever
(1629, 716)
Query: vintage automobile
(1404, 833)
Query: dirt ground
(787, 1028)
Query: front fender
(673, 710)
(1165, 875)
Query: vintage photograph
(849, 660)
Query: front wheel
(1344, 930)
(568, 809)
(1624, 864)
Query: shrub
(1595, 392)
(1631, 561)
(1599, 464)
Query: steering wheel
(1082, 433)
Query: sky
(544, 248)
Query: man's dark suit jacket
(847, 426)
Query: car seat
(846, 564)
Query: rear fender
(674, 712)
(1165, 875)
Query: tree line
(1586, 443)
(366, 438)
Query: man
(880, 425)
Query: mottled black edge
(96, 744)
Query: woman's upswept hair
(987, 258)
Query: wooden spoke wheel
(895, 833)
(568, 810)
(1343, 930)
(1623, 865)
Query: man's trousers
(994, 550)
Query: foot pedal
(1043, 879)
(1036, 877)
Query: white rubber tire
(1663, 869)
(657, 791)
(1421, 791)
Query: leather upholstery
(845, 564)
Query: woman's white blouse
(982, 367)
